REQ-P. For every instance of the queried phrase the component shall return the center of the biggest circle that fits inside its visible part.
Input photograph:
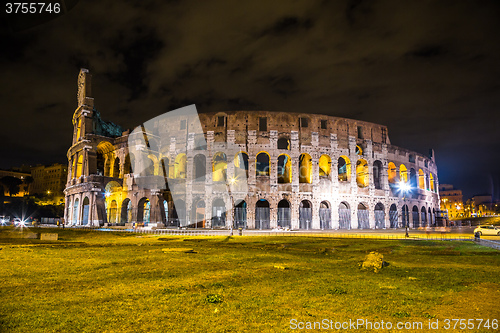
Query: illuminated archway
(431, 180)
(305, 168)
(362, 175)
(112, 214)
(392, 171)
(262, 164)
(180, 166)
(363, 216)
(359, 151)
(284, 169)
(127, 166)
(219, 167)
(325, 166)
(403, 173)
(85, 211)
(421, 179)
(79, 166)
(344, 168)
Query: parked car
(487, 230)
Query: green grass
(121, 282)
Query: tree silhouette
(12, 184)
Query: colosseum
(285, 170)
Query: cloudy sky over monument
(429, 70)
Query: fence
(226, 232)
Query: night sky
(429, 70)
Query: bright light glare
(405, 187)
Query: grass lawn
(121, 282)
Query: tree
(12, 184)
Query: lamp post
(405, 187)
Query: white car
(487, 230)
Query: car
(487, 230)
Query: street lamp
(405, 187)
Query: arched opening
(325, 166)
(359, 151)
(152, 166)
(126, 211)
(180, 166)
(325, 215)
(262, 164)
(362, 175)
(85, 211)
(75, 211)
(240, 215)
(432, 220)
(143, 211)
(344, 216)
(414, 216)
(392, 173)
(305, 168)
(99, 163)
(305, 215)
(219, 167)
(262, 215)
(344, 169)
(423, 213)
(241, 166)
(403, 173)
(107, 167)
(379, 216)
(284, 143)
(284, 214)
(79, 166)
(421, 179)
(127, 166)
(393, 216)
(284, 169)
(218, 213)
(413, 178)
(113, 212)
(116, 168)
(197, 213)
(377, 174)
(363, 217)
(405, 218)
(200, 167)
(431, 181)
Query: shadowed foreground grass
(121, 282)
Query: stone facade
(304, 171)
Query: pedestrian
(58, 223)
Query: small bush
(213, 298)
(374, 260)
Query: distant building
(483, 205)
(24, 188)
(451, 201)
(49, 180)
